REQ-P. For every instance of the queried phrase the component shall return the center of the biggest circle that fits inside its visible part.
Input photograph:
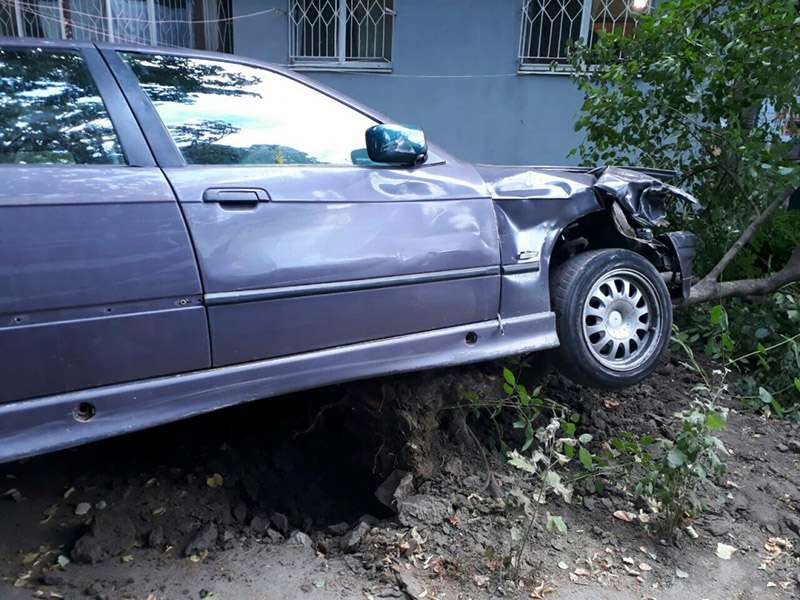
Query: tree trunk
(712, 290)
(709, 288)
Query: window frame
(129, 135)
(340, 62)
(107, 30)
(165, 150)
(561, 68)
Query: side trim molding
(293, 291)
(524, 267)
(45, 424)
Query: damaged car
(183, 231)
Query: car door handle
(236, 195)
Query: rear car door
(302, 242)
(98, 282)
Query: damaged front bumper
(639, 204)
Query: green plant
(760, 342)
(708, 89)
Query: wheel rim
(621, 320)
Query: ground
(377, 490)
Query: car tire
(613, 316)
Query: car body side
(149, 304)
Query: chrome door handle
(235, 195)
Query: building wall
(455, 75)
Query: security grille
(201, 24)
(549, 27)
(341, 33)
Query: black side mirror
(396, 145)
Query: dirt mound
(381, 489)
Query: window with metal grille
(341, 33)
(200, 24)
(549, 27)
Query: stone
(387, 492)
(82, 508)
(411, 586)
(155, 539)
(280, 521)
(354, 538)
(109, 534)
(205, 537)
(240, 512)
(298, 538)
(338, 528)
(423, 509)
(258, 525)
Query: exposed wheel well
(599, 230)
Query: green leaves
(556, 523)
(676, 458)
(586, 458)
(716, 421)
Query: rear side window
(226, 113)
(51, 112)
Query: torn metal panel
(641, 195)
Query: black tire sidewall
(577, 281)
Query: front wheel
(614, 317)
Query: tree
(710, 90)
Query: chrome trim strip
(313, 289)
(526, 267)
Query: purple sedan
(183, 231)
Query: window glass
(51, 111)
(225, 113)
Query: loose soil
(378, 489)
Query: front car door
(98, 282)
(302, 242)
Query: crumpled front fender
(641, 195)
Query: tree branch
(709, 289)
(744, 239)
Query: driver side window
(226, 113)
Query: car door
(98, 282)
(302, 242)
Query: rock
(411, 586)
(205, 537)
(240, 512)
(782, 448)
(110, 534)
(155, 539)
(423, 509)
(338, 528)
(719, 527)
(258, 525)
(369, 520)
(83, 508)
(298, 538)
(396, 487)
(274, 536)
(794, 446)
(793, 523)
(280, 521)
(354, 538)
(54, 578)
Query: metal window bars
(200, 24)
(549, 27)
(341, 33)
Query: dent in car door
(98, 277)
(302, 243)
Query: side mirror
(396, 145)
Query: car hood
(639, 191)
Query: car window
(226, 113)
(51, 112)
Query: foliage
(761, 344)
(707, 89)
